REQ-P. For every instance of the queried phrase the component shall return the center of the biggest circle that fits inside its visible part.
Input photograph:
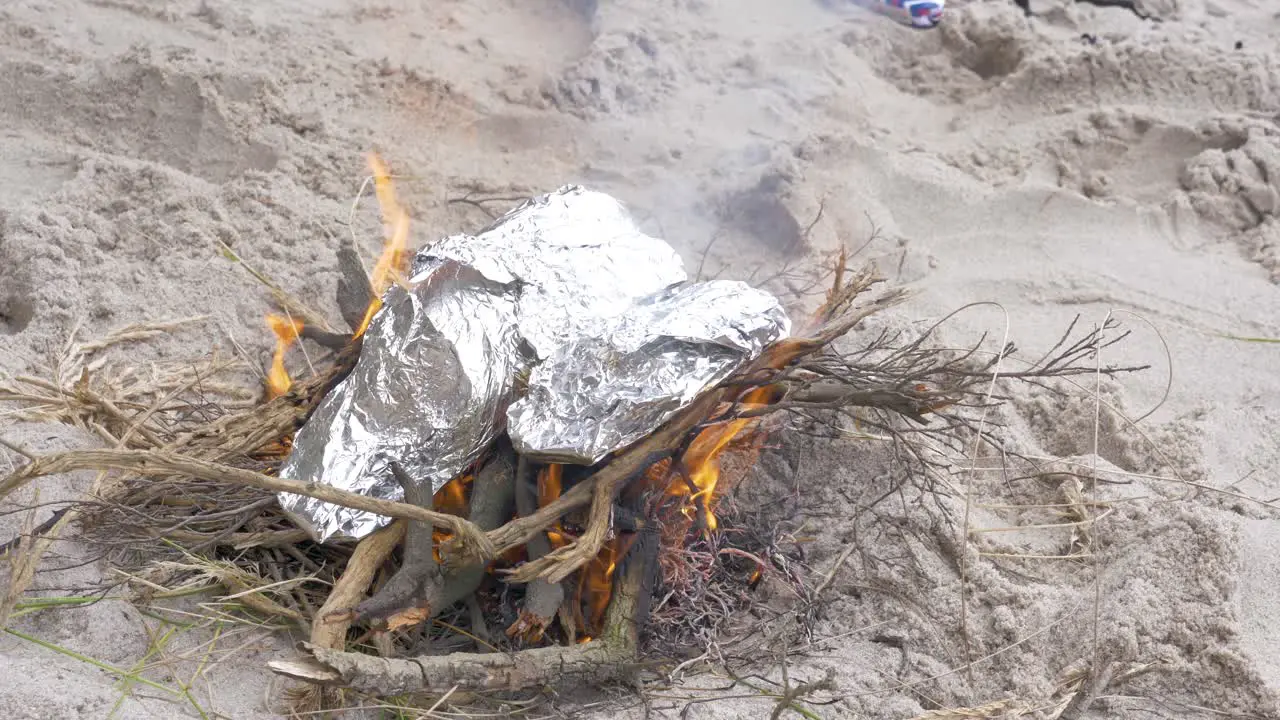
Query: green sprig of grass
(101, 665)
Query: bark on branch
(153, 462)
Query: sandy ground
(994, 159)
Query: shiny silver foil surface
(605, 391)
(578, 257)
(429, 391)
(439, 361)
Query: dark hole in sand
(761, 213)
(995, 61)
(15, 315)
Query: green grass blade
(91, 661)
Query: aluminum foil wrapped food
(578, 259)
(438, 368)
(603, 392)
(439, 360)
(429, 391)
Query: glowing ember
(286, 331)
(395, 223)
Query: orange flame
(549, 488)
(698, 494)
(395, 224)
(451, 499)
(595, 585)
(549, 484)
(286, 331)
(703, 457)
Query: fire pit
(529, 429)
(557, 380)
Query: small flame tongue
(549, 488)
(391, 264)
(395, 224)
(286, 331)
(596, 585)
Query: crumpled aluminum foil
(603, 392)
(439, 361)
(428, 391)
(578, 256)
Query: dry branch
(542, 597)
(355, 292)
(419, 575)
(330, 628)
(157, 463)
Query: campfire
(510, 458)
(667, 484)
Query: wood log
(330, 628)
(354, 290)
(407, 590)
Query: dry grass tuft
(996, 709)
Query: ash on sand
(1049, 175)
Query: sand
(998, 159)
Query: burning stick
(409, 595)
(542, 597)
(359, 295)
(421, 589)
(355, 291)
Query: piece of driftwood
(419, 574)
(611, 657)
(355, 292)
